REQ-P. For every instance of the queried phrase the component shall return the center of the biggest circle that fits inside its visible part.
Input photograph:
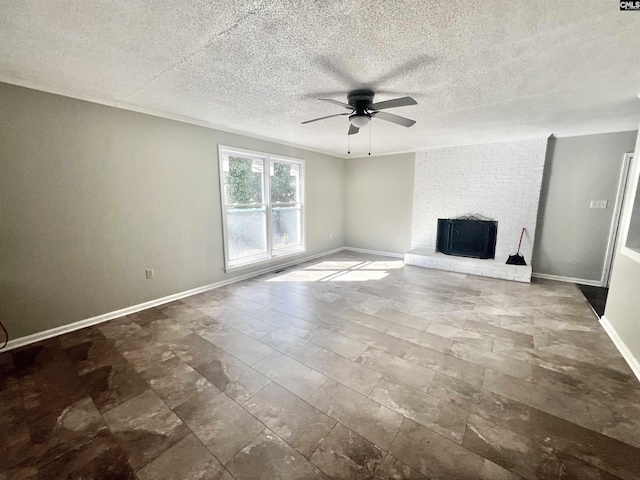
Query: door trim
(616, 221)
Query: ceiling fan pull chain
(370, 127)
(349, 143)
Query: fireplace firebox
(467, 237)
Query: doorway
(597, 295)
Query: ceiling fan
(360, 102)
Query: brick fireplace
(498, 181)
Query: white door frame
(616, 220)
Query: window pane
(242, 180)
(285, 182)
(247, 229)
(286, 226)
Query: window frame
(270, 255)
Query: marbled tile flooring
(347, 367)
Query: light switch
(598, 204)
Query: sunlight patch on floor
(337, 265)
(304, 276)
(357, 276)
(341, 271)
(381, 265)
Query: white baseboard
(87, 322)
(375, 252)
(559, 278)
(631, 360)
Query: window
(262, 206)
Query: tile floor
(348, 367)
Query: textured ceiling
(480, 71)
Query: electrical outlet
(598, 204)
(149, 273)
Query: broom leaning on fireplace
(517, 258)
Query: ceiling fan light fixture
(359, 120)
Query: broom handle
(520, 243)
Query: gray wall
(571, 238)
(379, 199)
(91, 196)
(623, 302)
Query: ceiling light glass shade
(359, 121)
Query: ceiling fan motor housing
(360, 100)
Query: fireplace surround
(499, 181)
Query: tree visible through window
(283, 184)
(263, 213)
(242, 184)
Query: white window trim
(270, 256)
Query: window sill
(265, 261)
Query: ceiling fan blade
(389, 117)
(335, 102)
(322, 118)
(353, 130)
(396, 102)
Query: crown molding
(193, 121)
(156, 113)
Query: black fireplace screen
(467, 237)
